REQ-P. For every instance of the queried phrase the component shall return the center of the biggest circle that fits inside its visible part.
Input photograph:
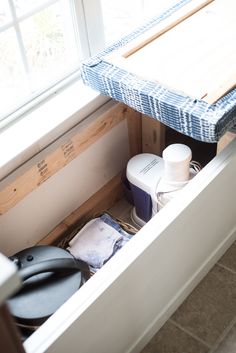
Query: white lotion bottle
(177, 158)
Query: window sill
(45, 124)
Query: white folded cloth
(95, 243)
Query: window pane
(12, 80)
(122, 16)
(5, 16)
(42, 53)
(24, 6)
(50, 45)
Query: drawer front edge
(132, 296)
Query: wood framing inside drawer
(119, 308)
(134, 293)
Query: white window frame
(89, 19)
(90, 40)
(47, 117)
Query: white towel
(94, 243)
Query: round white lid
(177, 153)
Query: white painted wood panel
(127, 301)
(191, 52)
(64, 192)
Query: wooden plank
(155, 32)
(172, 21)
(55, 235)
(58, 155)
(226, 86)
(134, 122)
(153, 135)
(99, 202)
(195, 56)
(225, 140)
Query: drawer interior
(113, 199)
(144, 283)
(114, 196)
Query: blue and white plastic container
(155, 181)
(144, 171)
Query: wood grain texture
(155, 32)
(153, 135)
(225, 140)
(55, 235)
(166, 25)
(58, 155)
(134, 122)
(194, 53)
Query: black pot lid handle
(61, 265)
(50, 276)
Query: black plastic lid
(42, 294)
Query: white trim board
(122, 306)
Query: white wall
(39, 212)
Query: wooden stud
(153, 135)
(52, 159)
(55, 235)
(134, 121)
(225, 140)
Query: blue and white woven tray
(192, 117)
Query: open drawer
(119, 308)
